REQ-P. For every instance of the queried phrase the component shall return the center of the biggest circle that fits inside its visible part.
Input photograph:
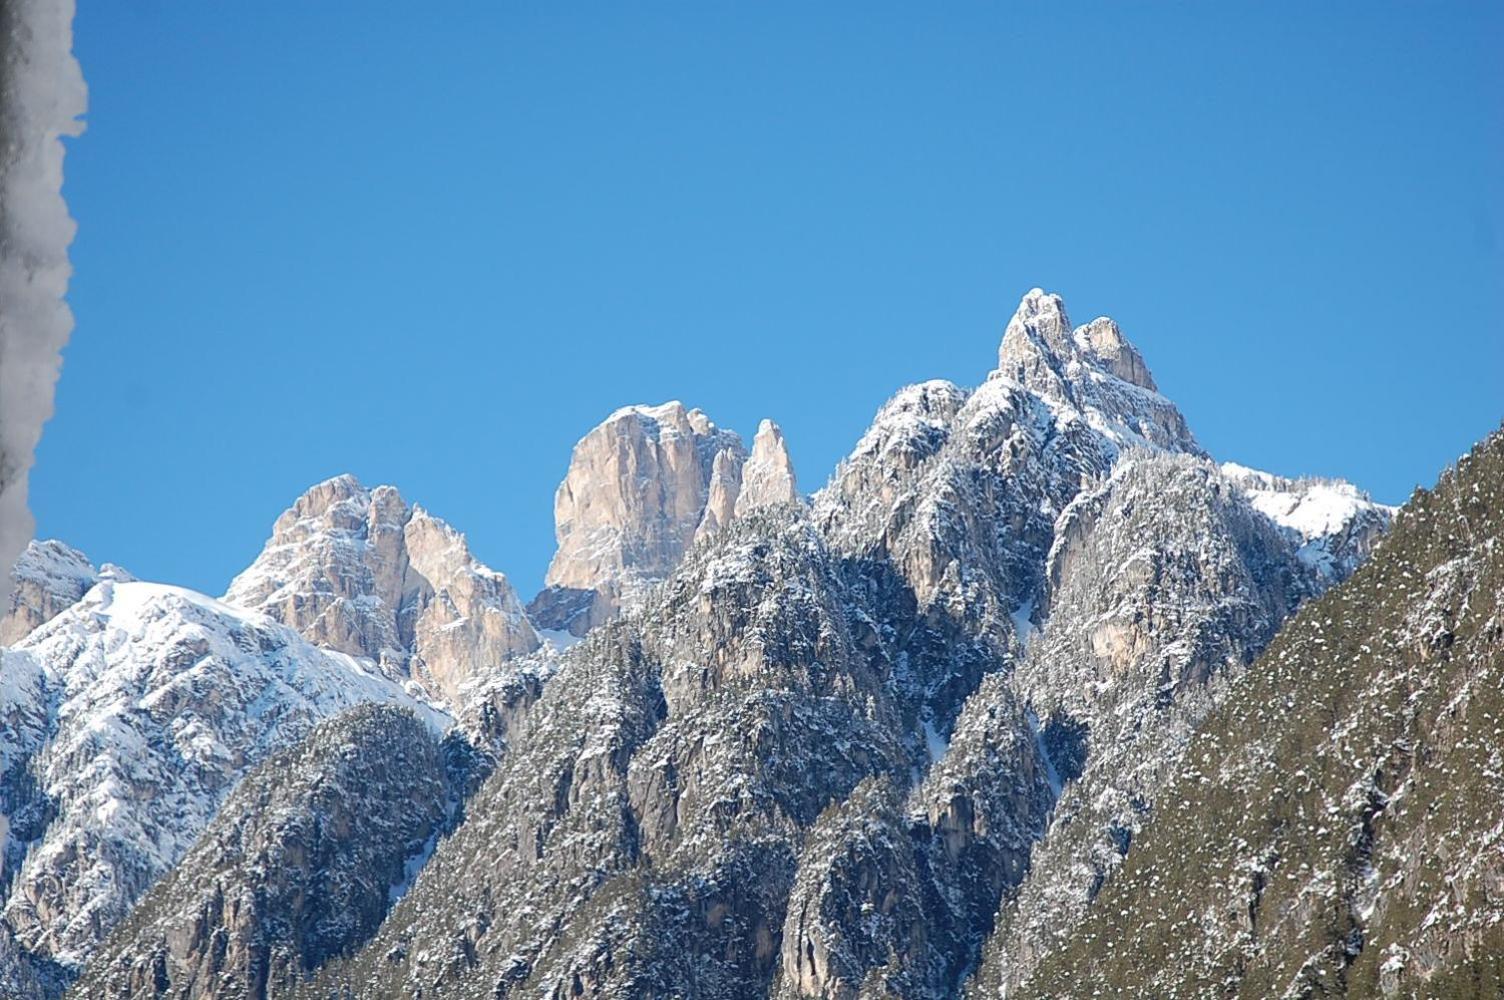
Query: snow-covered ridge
(1313, 507)
(1333, 523)
(133, 714)
(668, 415)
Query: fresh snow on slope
(136, 711)
(1312, 507)
(1332, 521)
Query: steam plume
(42, 94)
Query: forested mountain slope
(1337, 828)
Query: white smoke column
(41, 96)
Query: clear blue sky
(434, 249)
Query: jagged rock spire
(768, 476)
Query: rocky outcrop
(895, 893)
(638, 490)
(1334, 826)
(955, 494)
(641, 488)
(299, 866)
(724, 493)
(360, 571)
(48, 578)
(128, 719)
(768, 476)
(857, 915)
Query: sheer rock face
(768, 476)
(48, 578)
(635, 494)
(299, 866)
(638, 489)
(361, 572)
(641, 488)
(128, 719)
(894, 893)
(1334, 826)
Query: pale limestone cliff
(360, 571)
(768, 476)
(635, 494)
(642, 487)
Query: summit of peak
(670, 410)
(1092, 369)
(318, 499)
(345, 483)
(768, 476)
(1041, 317)
(1102, 342)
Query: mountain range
(1033, 697)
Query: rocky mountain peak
(47, 578)
(1102, 341)
(1040, 347)
(360, 571)
(1041, 318)
(768, 476)
(642, 487)
(634, 495)
(1093, 370)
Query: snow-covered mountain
(893, 739)
(895, 758)
(128, 719)
(1335, 524)
(49, 578)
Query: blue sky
(434, 244)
